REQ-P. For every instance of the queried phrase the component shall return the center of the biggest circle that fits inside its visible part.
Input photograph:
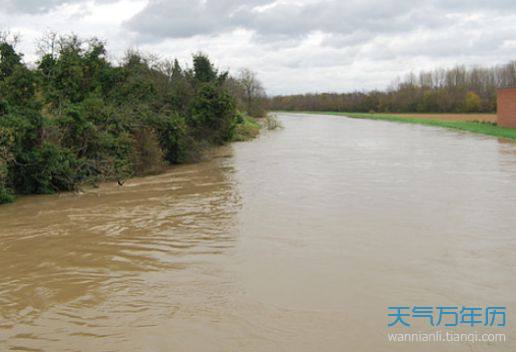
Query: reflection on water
(297, 241)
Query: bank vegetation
(479, 127)
(455, 90)
(77, 118)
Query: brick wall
(507, 107)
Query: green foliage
(9, 60)
(6, 195)
(172, 132)
(79, 119)
(6, 140)
(213, 114)
(246, 128)
(44, 170)
(204, 71)
(18, 88)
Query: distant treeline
(459, 90)
(77, 118)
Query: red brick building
(507, 107)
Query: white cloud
(86, 18)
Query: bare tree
(253, 91)
(48, 44)
(455, 89)
(9, 37)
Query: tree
(203, 69)
(213, 114)
(253, 93)
(9, 60)
(18, 88)
(457, 89)
(472, 102)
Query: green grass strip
(470, 126)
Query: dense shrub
(172, 133)
(213, 114)
(46, 169)
(148, 156)
(77, 118)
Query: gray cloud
(187, 18)
(38, 6)
(29, 6)
(277, 20)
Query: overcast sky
(295, 46)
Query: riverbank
(246, 129)
(249, 127)
(480, 127)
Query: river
(296, 241)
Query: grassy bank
(248, 128)
(485, 128)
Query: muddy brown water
(297, 241)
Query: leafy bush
(213, 114)
(148, 156)
(77, 118)
(6, 195)
(173, 138)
